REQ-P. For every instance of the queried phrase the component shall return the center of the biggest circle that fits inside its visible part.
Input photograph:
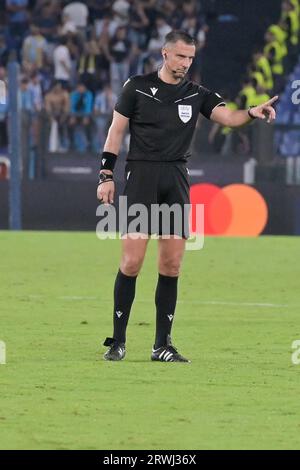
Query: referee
(162, 110)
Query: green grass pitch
(237, 316)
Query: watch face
(103, 177)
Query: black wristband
(249, 112)
(108, 161)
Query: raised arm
(237, 118)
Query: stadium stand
(75, 57)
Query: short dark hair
(179, 35)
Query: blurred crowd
(265, 77)
(75, 56)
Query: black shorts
(163, 189)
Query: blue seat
(290, 144)
(296, 118)
(283, 117)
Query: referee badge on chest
(185, 112)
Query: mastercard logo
(235, 210)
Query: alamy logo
(154, 90)
(119, 313)
(2, 352)
(139, 219)
(296, 354)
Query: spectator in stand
(78, 13)
(149, 65)
(189, 9)
(35, 89)
(89, 65)
(103, 109)
(57, 106)
(39, 5)
(162, 27)
(154, 51)
(75, 44)
(18, 18)
(34, 50)
(4, 52)
(275, 50)
(107, 26)
(119, 50)
(48, 22)
(62, 63)
(138, 22)
(26, 102)
(151, 13)
(173, 12)
(98, 10)
(103, 44)
(66, 26)
(3, 18)
(191, 25)
(120, 9)
(80, 119)
(157, 37)
(3, 113)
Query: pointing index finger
(272, 100)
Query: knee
(131, 265)
(170, 266)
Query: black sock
(124, 293)
(165, 300)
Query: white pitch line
(78, 297)
(238, 304)
(193, 302)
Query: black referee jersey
(163, 116)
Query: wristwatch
(103, 177)
(249, 112)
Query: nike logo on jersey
(154, 90)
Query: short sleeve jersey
(162, 116)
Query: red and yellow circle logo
(235, 210)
